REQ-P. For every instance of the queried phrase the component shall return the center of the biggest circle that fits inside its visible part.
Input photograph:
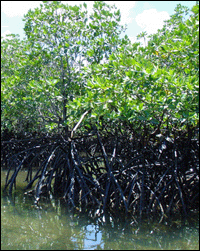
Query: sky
(139, 16)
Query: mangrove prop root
(109, 173)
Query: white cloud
(18, 8)
(151, 20)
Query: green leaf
(141, 106)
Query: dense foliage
(70, 63)
(156, 84)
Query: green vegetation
(135, 108)
(70, 62)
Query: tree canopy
(71, 62)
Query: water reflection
(24, 226)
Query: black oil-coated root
(135, 175)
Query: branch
(76, 126)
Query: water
(25, 227)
